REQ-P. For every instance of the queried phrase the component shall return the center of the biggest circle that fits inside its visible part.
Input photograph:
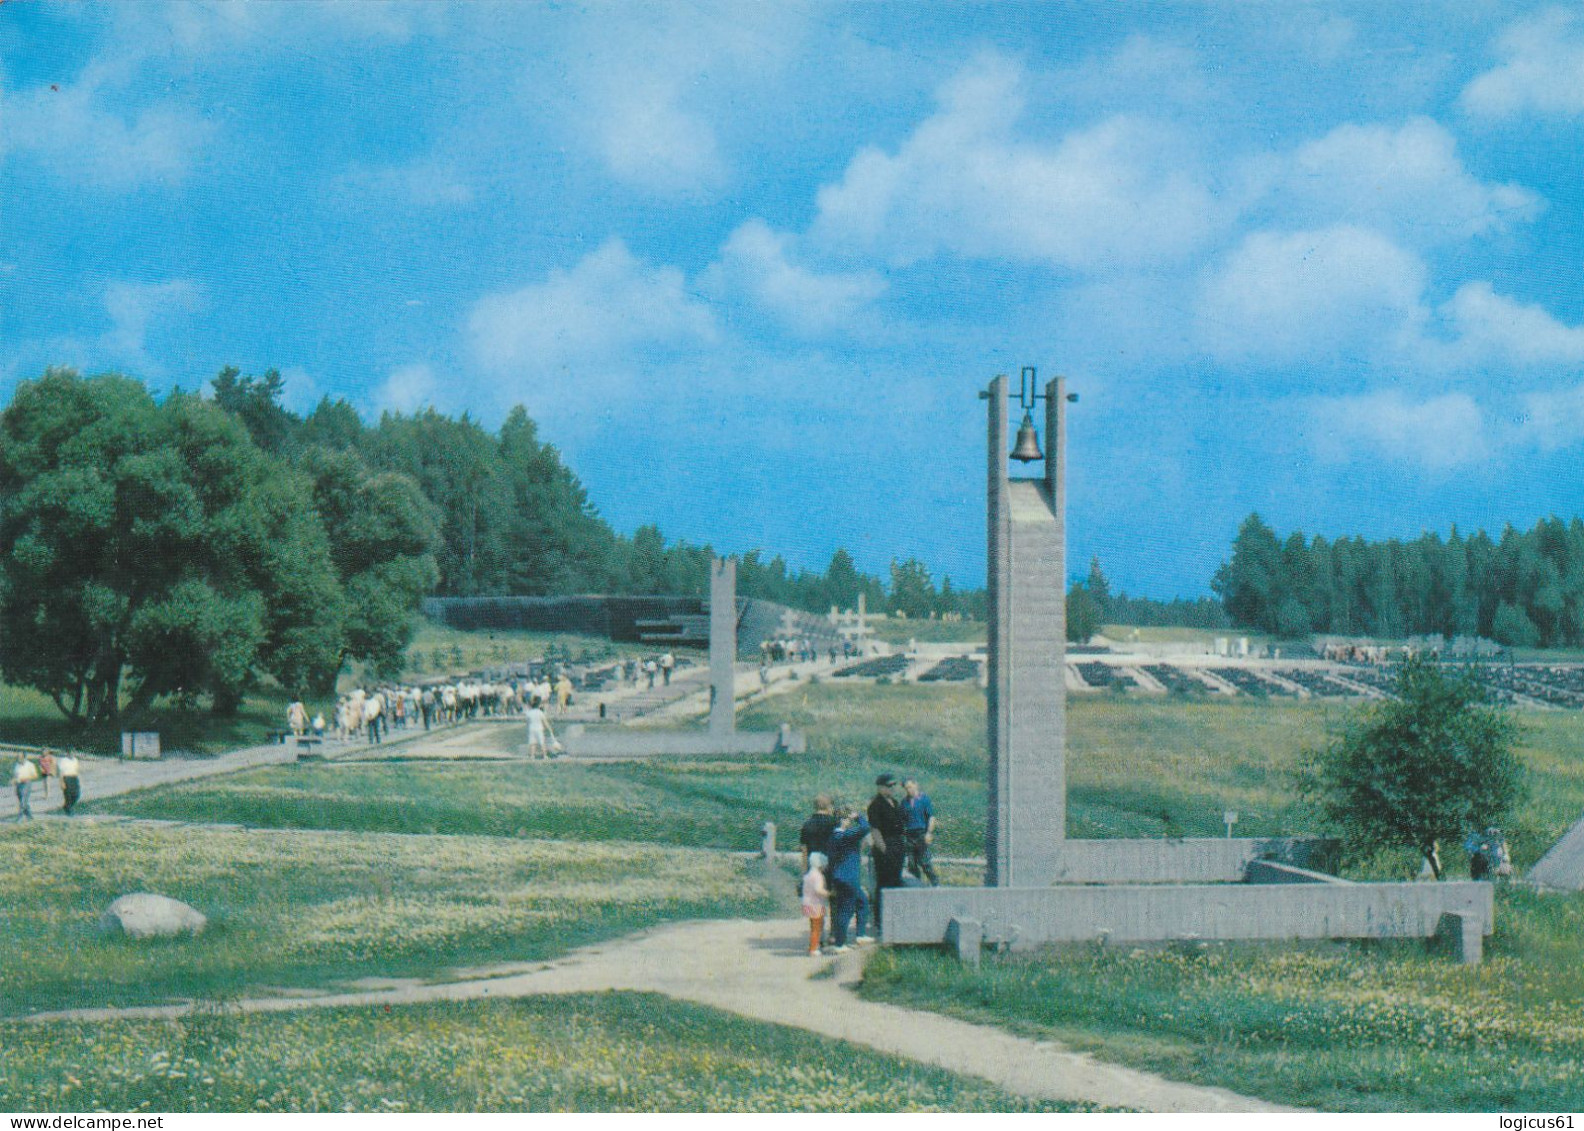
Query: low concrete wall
(1188, 860)
(1027, 917)
(633, 742)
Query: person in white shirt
(71, 784)
(23, 775)
(538, 727)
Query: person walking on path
(69, 770)
(847, 879)
(538, 727)
(890, 842)
(563, 693)
(46, 768)
(816, 900)
(918, 819)
(23, 774)
(667, 662)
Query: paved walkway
(760, 970)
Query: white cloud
(69, 129)
(1542, 70)
(605, 307)
(650, 89)
(407, 389)
(1407, 179)
(757, 262)
(1120, 193)
(136, 307)
(1553, 419)
(1493, 327)
(1285, 297)
(1437, 435)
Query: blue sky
(748, 265)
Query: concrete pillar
(966, 937)
(1027, 590)
(723, 648)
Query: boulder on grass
(144, 915)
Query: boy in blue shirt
(918, 814)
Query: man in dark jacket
(890, 840)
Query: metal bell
(1027, 449)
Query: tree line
(1525, 589)
(513, 519)
(1091, 605)
(182, 549)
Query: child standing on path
(816, 900)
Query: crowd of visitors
(899, 832)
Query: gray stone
(144, 915)
(966, 936)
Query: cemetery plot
(1174, 680)
(1248, 683)
(1096, 674)
(1318, 684)
(879, 666)
(1559, 687)
(954, 669)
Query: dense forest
(1526, 589)
(182, 548)
(512, 518)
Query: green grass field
(606, 1052)
(1339, 1026)
(1137, 766)
(325, 908)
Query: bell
(1027, 448)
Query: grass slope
(608, 1052)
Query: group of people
(900, 832)
(375, 712)
(27, 772)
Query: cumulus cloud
(1493, 327)
(1408, 180)
(1120, 193)
(1542, 70)
(72, 132)
(1283, 297)
(408, 388)
(758, 262)
(1437, 435)
(134, 309)
(605, 307)
(1553, 419)
(650, 90)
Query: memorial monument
(721, 735)
(1040, 885)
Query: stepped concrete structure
(721, 736)
(1040, 886)
(1562, 868)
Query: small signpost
(1231, 818)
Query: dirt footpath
(761, 970)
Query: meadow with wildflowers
(1341, 1027)
(1137, 767)
(321, 909)
(605, 1052)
